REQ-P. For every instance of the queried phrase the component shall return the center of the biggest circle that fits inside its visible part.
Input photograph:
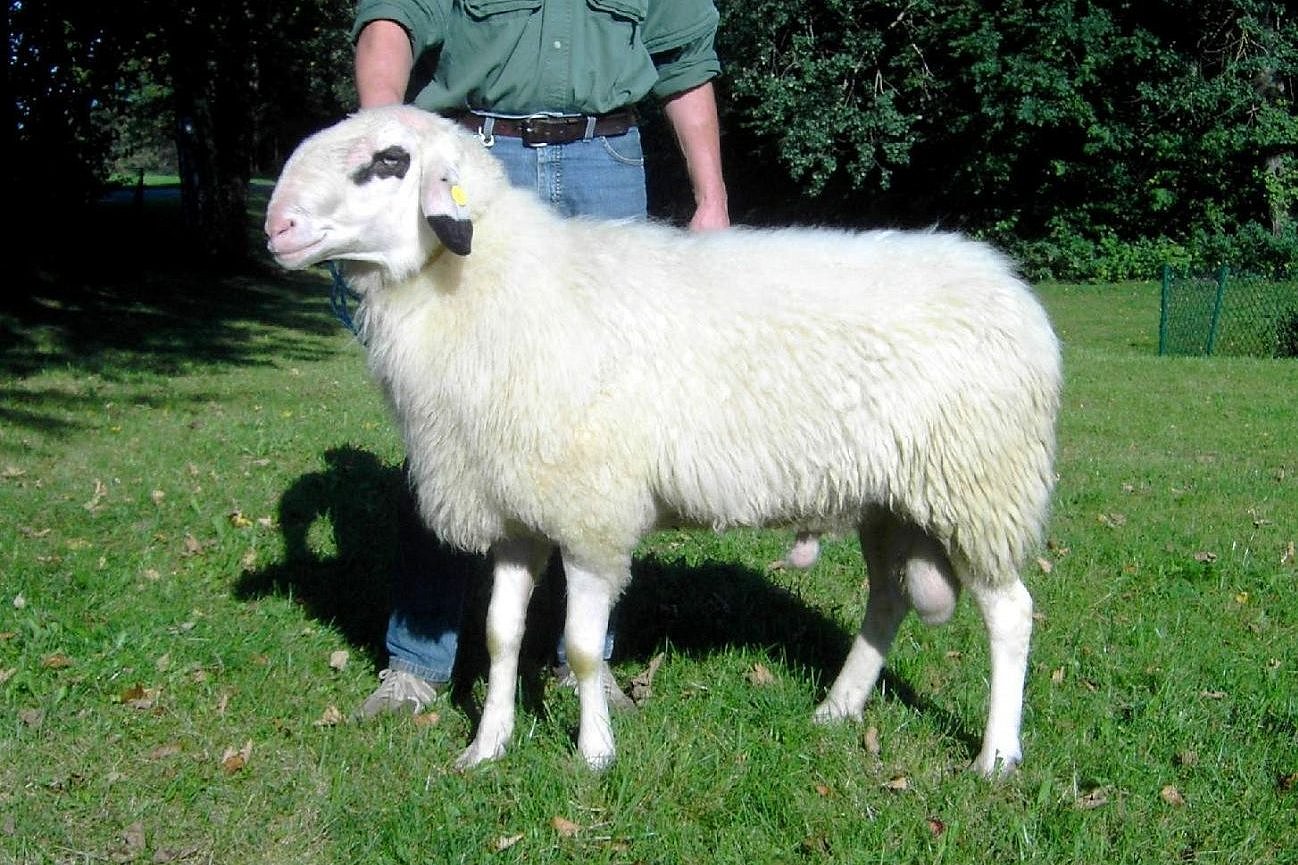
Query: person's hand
(710, 215)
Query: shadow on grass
(126, 304)
(670, 605)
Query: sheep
(580, 383)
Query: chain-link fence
(1228, 314)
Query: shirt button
(557, 45)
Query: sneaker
(398, 692)
(617, 701)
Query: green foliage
(1098, 139)
(1066, 253)
(1287, 335)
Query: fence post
(1165, 302)
(1216, 308)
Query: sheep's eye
(391, 161)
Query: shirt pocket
(481, 10)
(626, 10)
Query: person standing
(550, 86)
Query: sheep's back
(598, 378)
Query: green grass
(198, 482)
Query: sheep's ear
(446, 209)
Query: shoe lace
(399, 687)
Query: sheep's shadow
(694, 610)
(355, 497)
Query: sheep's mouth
(299, 255)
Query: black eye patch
(391, 161)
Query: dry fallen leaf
(1057, 677)
(1044, 564)
(816, 845)
(760, 676)
(332, 717)
(823, 790)
(7, 674)
(31, 717)
(1289, 553)
(427, 719)
(338, 660)
(897, 784)
(238, 520)
(1172, 796)
(132, 843)
(162, 752)
(565, 827)
(1205, 557)
(192, 545)
(56, 661)
(158, 496)
(870, 739)
(97, 497)
(139, 697)
(233, 761)
(641, 686)
(1093, 799)
(504, 842)
(936, 826)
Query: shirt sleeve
(424, 22)
(680, 36)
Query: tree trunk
(210, 60)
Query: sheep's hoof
(477, 754)
(599, 763)
(996, 766)
(828, 713)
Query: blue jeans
(602, 177)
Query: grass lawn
(197, 483)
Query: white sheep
(579, 383)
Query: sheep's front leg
(517, 563)
(590, 597)
(1007, 612)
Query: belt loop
(485, 131)
(590, 128)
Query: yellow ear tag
(458, 196)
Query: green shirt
(519, 57)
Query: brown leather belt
(544, 129)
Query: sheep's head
(382, 186)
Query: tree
(1065, 129)
(63, 61)
(232, 82)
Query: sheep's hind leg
(517, 564)
(884, 609)
(590, 597)
(1007, 612)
